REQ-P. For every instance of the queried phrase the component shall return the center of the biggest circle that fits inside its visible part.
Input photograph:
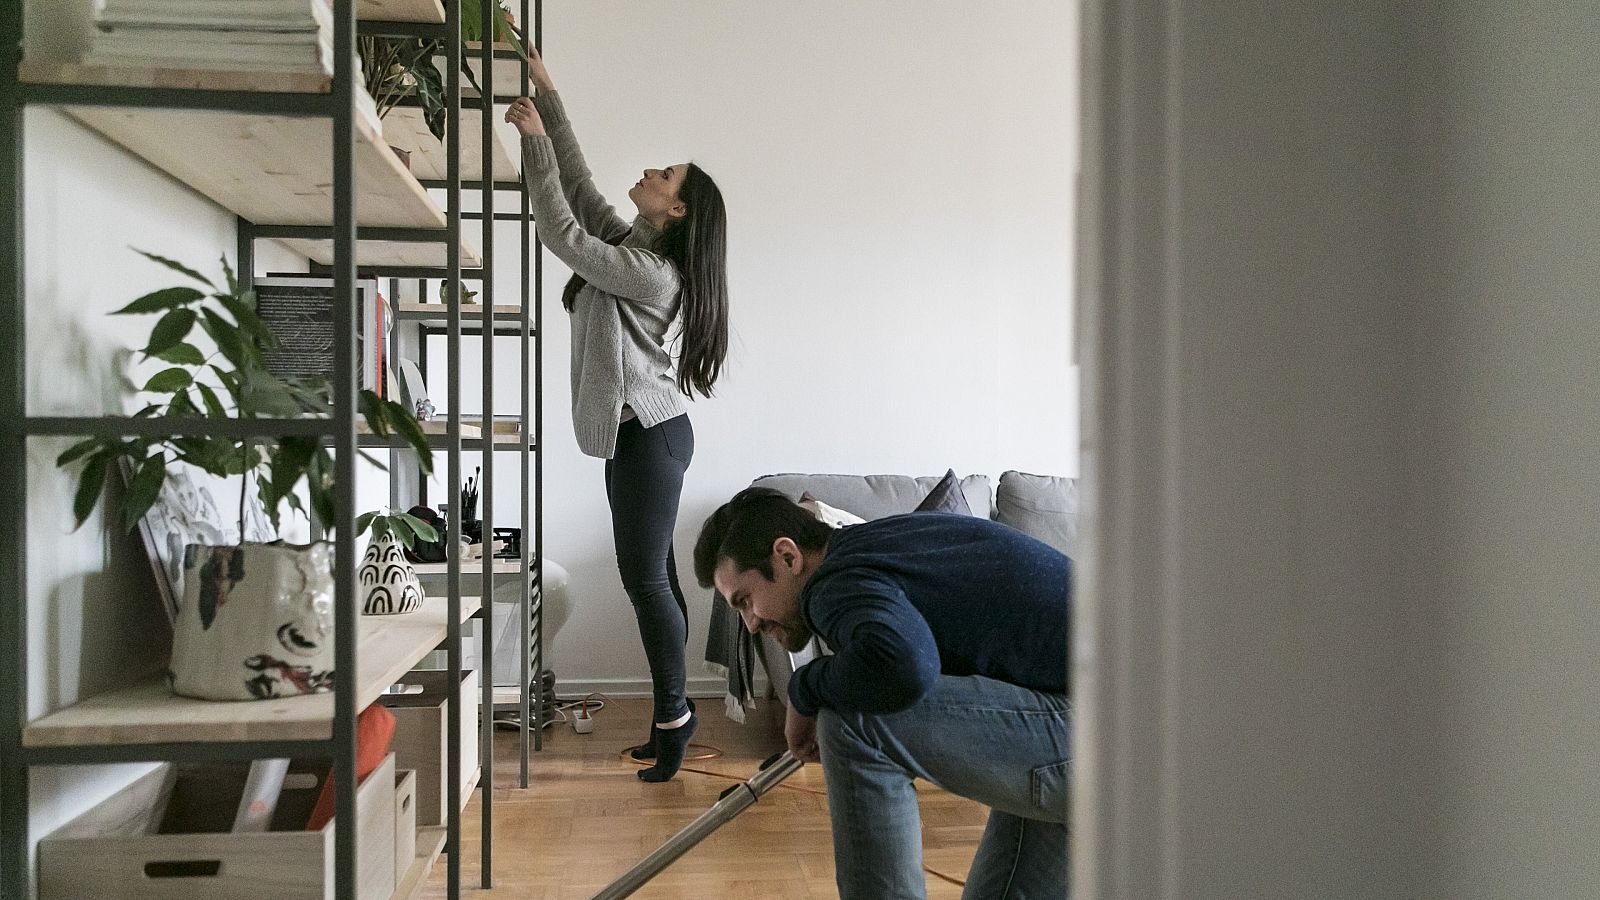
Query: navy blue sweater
(904, 599)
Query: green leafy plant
(505, 25)
(230, 382)
(406, 528)
(397, 68)
(466, 295)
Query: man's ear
(786, 555)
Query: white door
(1338, 628)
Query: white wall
(899, 183)
(94, 617)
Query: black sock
(671, 744)
(647, 750)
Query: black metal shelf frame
(17, 427)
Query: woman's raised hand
(525, 117)
(537, 73)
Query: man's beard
(796, 635)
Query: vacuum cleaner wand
(733, 801)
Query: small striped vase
(388, 582)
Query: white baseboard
(624, 688)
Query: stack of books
(271, 36)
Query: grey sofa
(1042, 506)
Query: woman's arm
(632, 273)
(593, 213)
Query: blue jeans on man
(1007, 747)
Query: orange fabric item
(374, 731)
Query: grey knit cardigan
(622, 317)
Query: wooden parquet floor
(585, 819)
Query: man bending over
(949, 640)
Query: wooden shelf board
(430, 845)
(432, 427)
(388, 253)
(469, 567)
(431, 11)
(434, 313)
(511, 427)
(147, 712)
(404, 127)
(438, 443)
(507, 72)
(503, 446)
(270, 169)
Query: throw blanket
(731, 651)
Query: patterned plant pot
(255, 622)
(388, 582)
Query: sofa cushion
(876, 496)
(946, 497)
(832, 516)
(1041, 506)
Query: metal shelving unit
(498, 64)
(398, 230)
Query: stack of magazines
(273, 36)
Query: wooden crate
(405, 821)
(165, 837)
(421, 738)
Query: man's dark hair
(744, 529)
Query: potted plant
(505, 25)
(255, 619)
(467, 296)
(388, 581)
(395, 69)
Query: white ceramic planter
(255, 622)
(389, 583)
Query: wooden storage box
(166, 837)
(405, 821)
(421, 738)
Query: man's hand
(800, 732)
(525, 117)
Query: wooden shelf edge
(468, 567)
(371, 253)
(412, 309)
(430, 846)
(431, 428)
(427, 11)
(38, 71)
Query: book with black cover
(299, 312)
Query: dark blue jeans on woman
(643, 481)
